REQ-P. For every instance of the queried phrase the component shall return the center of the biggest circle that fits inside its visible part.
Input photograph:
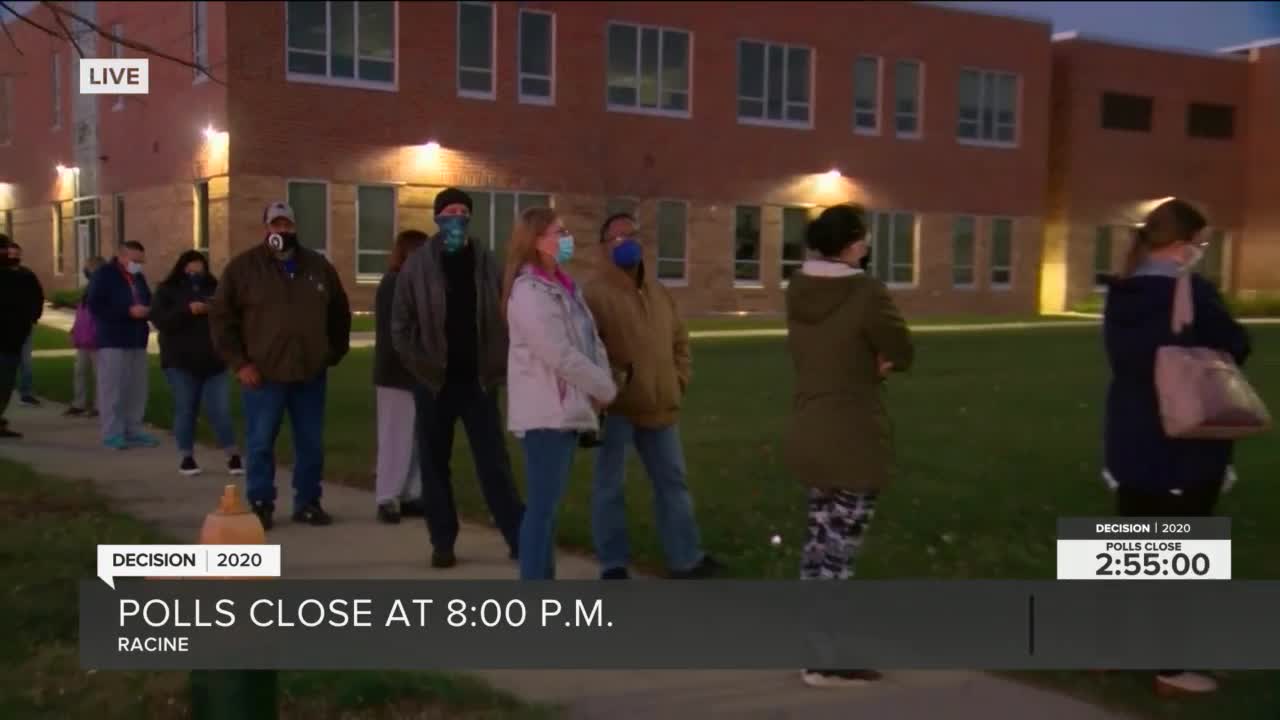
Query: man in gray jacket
(447, 326)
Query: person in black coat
(1156, 475)
(21, 305)
(196, 373)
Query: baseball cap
(277, 210)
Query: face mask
(628, 254)
(282, 242)
(564, 252)
(1194, 256)
(134, 268)
(196, 277)
(454, 228)
(865, 262)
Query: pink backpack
(84, 335)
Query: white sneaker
(839, 678)
(1185, 682)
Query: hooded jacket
(1136, 322)
(21, 305)
(840, 321)
(186, 342)
(111, 293)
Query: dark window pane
(906, 79)
(675, 100)
(880, 255)
(307, 63)
(535, 87)
(750, 108)
(377, 71)
(747, 233)
(481, 227)
(311, 211)
(307, 26)
(622, 63)
(1215, 122)
(372, 263)
(475, 80)
(798, 75)
(475, 36)
(1126, 112)
(376, 219)
(377, 34)
(524, 201)
(622, 96)
(798, 113)
(504, 218)
(794, 221)
(904, 247)
(865, 79)
(671, 269)
(675, 60)
(535, 43)
(1102, 254)
(342, 48)
(671, 230)
(773, 99)
(649, 68)
(751, 70)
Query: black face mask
(9, 262)
(282, 242)
(865, 262)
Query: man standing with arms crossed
(281, 319)
(645, 337)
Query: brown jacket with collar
(642, 332)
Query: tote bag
(84, 334)
(1203, 394)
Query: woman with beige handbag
(1177, 399)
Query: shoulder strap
(1183, 315)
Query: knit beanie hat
(450, 196)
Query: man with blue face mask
(120, 301)
(646, 341)
(447, 326)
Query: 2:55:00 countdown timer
(1168, 562)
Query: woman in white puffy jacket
(558, 377)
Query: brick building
(984, 146)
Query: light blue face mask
(564, 252)
(134, 268)
(454, 228)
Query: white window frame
(662, 38)
(200, 40)
(992, 267)
(764, 100)
(372, 278)
(783, 281)
(879, 95)
(521, 74)
(1017, 109)
(890, 215)
(515, 206)
(918, 133)
(117, 52)
(492, 93)
(758, 282)
(354, 82)
(6, 91)
(56, 82)
(683, 280)
(973, 253)
(328, 208)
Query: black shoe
(412, 508)
(234, 466)
(617, 573)
(189, 466)
(388, 514)
(707, 567)
(264, 511)
(73, 412)
(6, 433)
(30, 401)
(839, 678)
(312, 514)
(443, 559)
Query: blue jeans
(264, 410)
(26, 383)
(663, 458)
(190, 394)
(548, 458)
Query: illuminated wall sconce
(833, 174)
(431, 146)
(63, 169)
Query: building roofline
(1072, 35)
(989, 12)
(1255, 45)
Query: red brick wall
(1258, 267)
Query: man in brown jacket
(280, 320)
(646, 340)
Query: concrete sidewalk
(146, 484)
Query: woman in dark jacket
(1155, 475)
(196, 374)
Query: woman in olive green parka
(845, 336)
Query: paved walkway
(145, 484)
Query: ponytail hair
(1170, 223)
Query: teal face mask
(454, 228)
(564, 253)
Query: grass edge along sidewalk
(49, 528)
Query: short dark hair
(835, 229)
(604, 229)
(133, 245)
(5, 242)
(406, 242)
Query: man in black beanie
(447, 327)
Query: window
(310, 203)
(893, 250)
(375, 229)
(200, 38)
(616, 205)
(1215, 122)
(477, 26)
(119, 212)
(673, 224)
(56, 82)
(57, 239)
(537, 57)
(117, 52)
(866, 95)
(202, 217)
(1126, 112)
(1212, 265)
(774, 83)
(906, 93)
(494, 214)
(746, 245)
(342, 43)
(988, 107)
(1102, 255)
(962, 234)
(1001, 252)
(648, 69)
(794, 220)
(6, 110)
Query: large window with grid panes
(494, 215)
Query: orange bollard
(232, 523)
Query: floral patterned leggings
(837, 521)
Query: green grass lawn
(49, 338)
(48, 531)
(998, 435)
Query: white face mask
(1193, 257)
(134, 268)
